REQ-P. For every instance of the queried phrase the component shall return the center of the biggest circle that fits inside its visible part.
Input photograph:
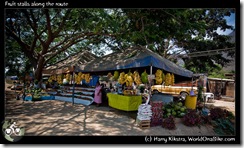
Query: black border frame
(138, 139)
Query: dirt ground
(57, 118)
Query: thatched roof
(67, 64)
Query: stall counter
(122, 102)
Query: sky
(230, 21)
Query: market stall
(132, 67)
(67, 84)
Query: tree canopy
(44, 36)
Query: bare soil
(53, 117)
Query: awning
(133, 58)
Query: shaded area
(59, 118)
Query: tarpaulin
(133, 58)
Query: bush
(192, 118)
(169, 123)
(216, 113)
(223, 126)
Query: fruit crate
(143, 123)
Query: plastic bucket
(191, 102)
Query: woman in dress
(98, 94)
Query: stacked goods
(137, 78)
(144, 77)
(176, 109)
(157, 113)
(168, 79)
(129, 92)
(158, 77)
(144, 112)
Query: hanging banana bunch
(52, 78)
(121, 79)
(83, 76)
(158, 77)
(60, 79)
(172, 79)
(163, 77)
(136, 77)
(144, 77)
(116, 75)
(128, 80)
(109, 75)
(168, 79)
(88, 77)
(67, 77)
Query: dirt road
(53, 117)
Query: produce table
(126, 103)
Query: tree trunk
(39, 68)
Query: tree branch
(24, 47)
(50, 37)
(62, 23)
(33, 25)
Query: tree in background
(45, 36)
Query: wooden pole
(73, 90)
(150, 83)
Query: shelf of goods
(124, 102)
(82, 95)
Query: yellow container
(191, 102)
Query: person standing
(98, 94)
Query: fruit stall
(131, 74)
(131, 69)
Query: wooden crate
(143, 123)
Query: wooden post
(150, 84)
(73, 81)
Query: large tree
(177, 31)
(44, 34)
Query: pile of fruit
(176, 109)
(35, 93)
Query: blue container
(165, 98)
(47, 97)
(92, 82)
(28, 98)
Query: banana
(172, 79)
(121, 79)
(168, 79)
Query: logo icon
(11, 130)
